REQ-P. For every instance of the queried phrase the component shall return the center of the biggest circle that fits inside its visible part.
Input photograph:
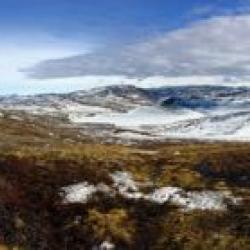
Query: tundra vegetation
(35, 166)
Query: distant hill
(187, 112)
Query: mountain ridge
(193, 112)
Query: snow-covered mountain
(195, 112)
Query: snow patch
(105, 245)
(141, 116)
(203, 200)
(82, 192)
(125, 185)
(188, 200)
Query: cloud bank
(216, 47)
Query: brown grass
(32, 174)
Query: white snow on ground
(126, 186)
(76, 107)
(105, 245)
(203, 200)
(210, 200)
(158, 123)
(164, 194)
(234, 127)
(77, 112)
(144, 115)
(82, 192)
(124, 181)
(244, 132)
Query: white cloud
(217, 48)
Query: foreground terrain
(74, 185)
(61, 194)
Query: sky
(65, 45)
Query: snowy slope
(141, 116)
(176, 112)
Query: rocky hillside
(126, 112)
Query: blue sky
(107, 19)
(63, 45)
